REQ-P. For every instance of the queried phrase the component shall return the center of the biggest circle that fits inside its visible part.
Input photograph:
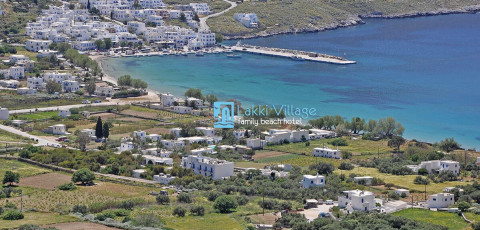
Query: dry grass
(45, 181)
(267, 154)
(37, 218)
(80, 226)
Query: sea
(422, 71)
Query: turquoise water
(422, 71)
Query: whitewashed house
(25, 91)
(255, 143)
(36, 83)
(278, 137)
(247, 20)
(436, 166)
(173, 144)
(154, 160)
(321, 134)
(207, 131)
(167, 99)
(90, 133)
(299, 135)
(357, 200)
(366, 180)
(182, 109)
(194, 101)
(126, 146)
(70, 86)
(154, 137)
(313, 181)
(327, 152)
(64, 113)
(142, 135)
(137, 173)
(4, 113)
(207, 166)
(401, 191)
(441, 200)
(36, 45)
(163, 179)
(175, 131)
(104, 91)
(201, 8)
(59, 129)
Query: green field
(402, 181)
(37, 218)
(451, 220)
(24, 169)
(355, 146)
(35, 115)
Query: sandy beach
(152, 94)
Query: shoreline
(107, 78)
(358, 21)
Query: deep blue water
(422, 71)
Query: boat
(298, 58)
(199, 54)
(228, 51)
(234, 55)
(184, 54)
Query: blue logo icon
(223, 114)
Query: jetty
(293, 54)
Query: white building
(4, 113)
(154, 137)
(217, 169)
(194, 101)
(154, 160)
(175, 131)
(321, 134)
(142, 135)
(182, 109)
(70, 86)
(437, 166)
(84, 45)
(59, 129)
(255, 143)
(173, 144)
(35, 83)
(90, 133)
(201, 151)
(137, 173)
(299, 135)
(278, 137)
(25, 90)
(366, 180)
(357, 200)
(201, 8)
(401, 191)
(64, 113)
(104, 91)
(247, 20)
(207, 131)
(440, 200)
(167, 99)
(16, 58)
(313, 181)
(201, 40)
(327, 152)
(126, 146)
(163, 179)
(36, 45)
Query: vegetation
(11, 177)
(225, 204)
(85, 176)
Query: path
(55, 108)
(41, 141)
(203, 20)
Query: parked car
(86, 102)
(97, 101)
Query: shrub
(83, 175)
(422, 171)
(198, 210)
(338, 142)
(179, 211)
(184, 198)
(67, 186)
(13, 215)
(10, 205)
(463, 206)
(163, 199)
(80, 208)
(146, 220)
(393, 195)
(127, 204)
(346, 166)
(242, 200)
(121, 212)
(1, 210)
(213, 195)
(225, 204)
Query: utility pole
(425, 191)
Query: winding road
(41, 141)
(203, 20)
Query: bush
(163, 199)
(13, 215)
(242, 200)
(184, 198)
(127, 204)
(422, 171)
(198, 210)
(346, 166)
(10, 205)
(67, 186)
(268, 204)
(338, 142)
(213, 195)
(463, 206)
(225, 204)
(179, 211)
(146, 220)
(121, 212)
(80, 208)
(83, 175)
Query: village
(86, 149)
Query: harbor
(293, 54)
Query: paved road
(203, 20)
(41, 141)
(55, 108)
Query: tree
(322, 168)
(182, 17)
(184, 198)
(53, 87)
(163, 199)
(196, 93)
(11, 177)
(13, 215)
(195, 17)
(83, 139)
(88, 5)
(100, 44)
(211, 98)
(71, 6)
(225, 204)
(396, 142)
(125, 80)
(83, 175)
(422, 171)
(421, 180)
(218, 38)
(139, 84)
(448, 145)
(389, 127)
(99, 128)
(179, 211)
(357, 124)
(463, 206)
(106, 130)
(198, 210)
(108, 42)
(91, 87)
